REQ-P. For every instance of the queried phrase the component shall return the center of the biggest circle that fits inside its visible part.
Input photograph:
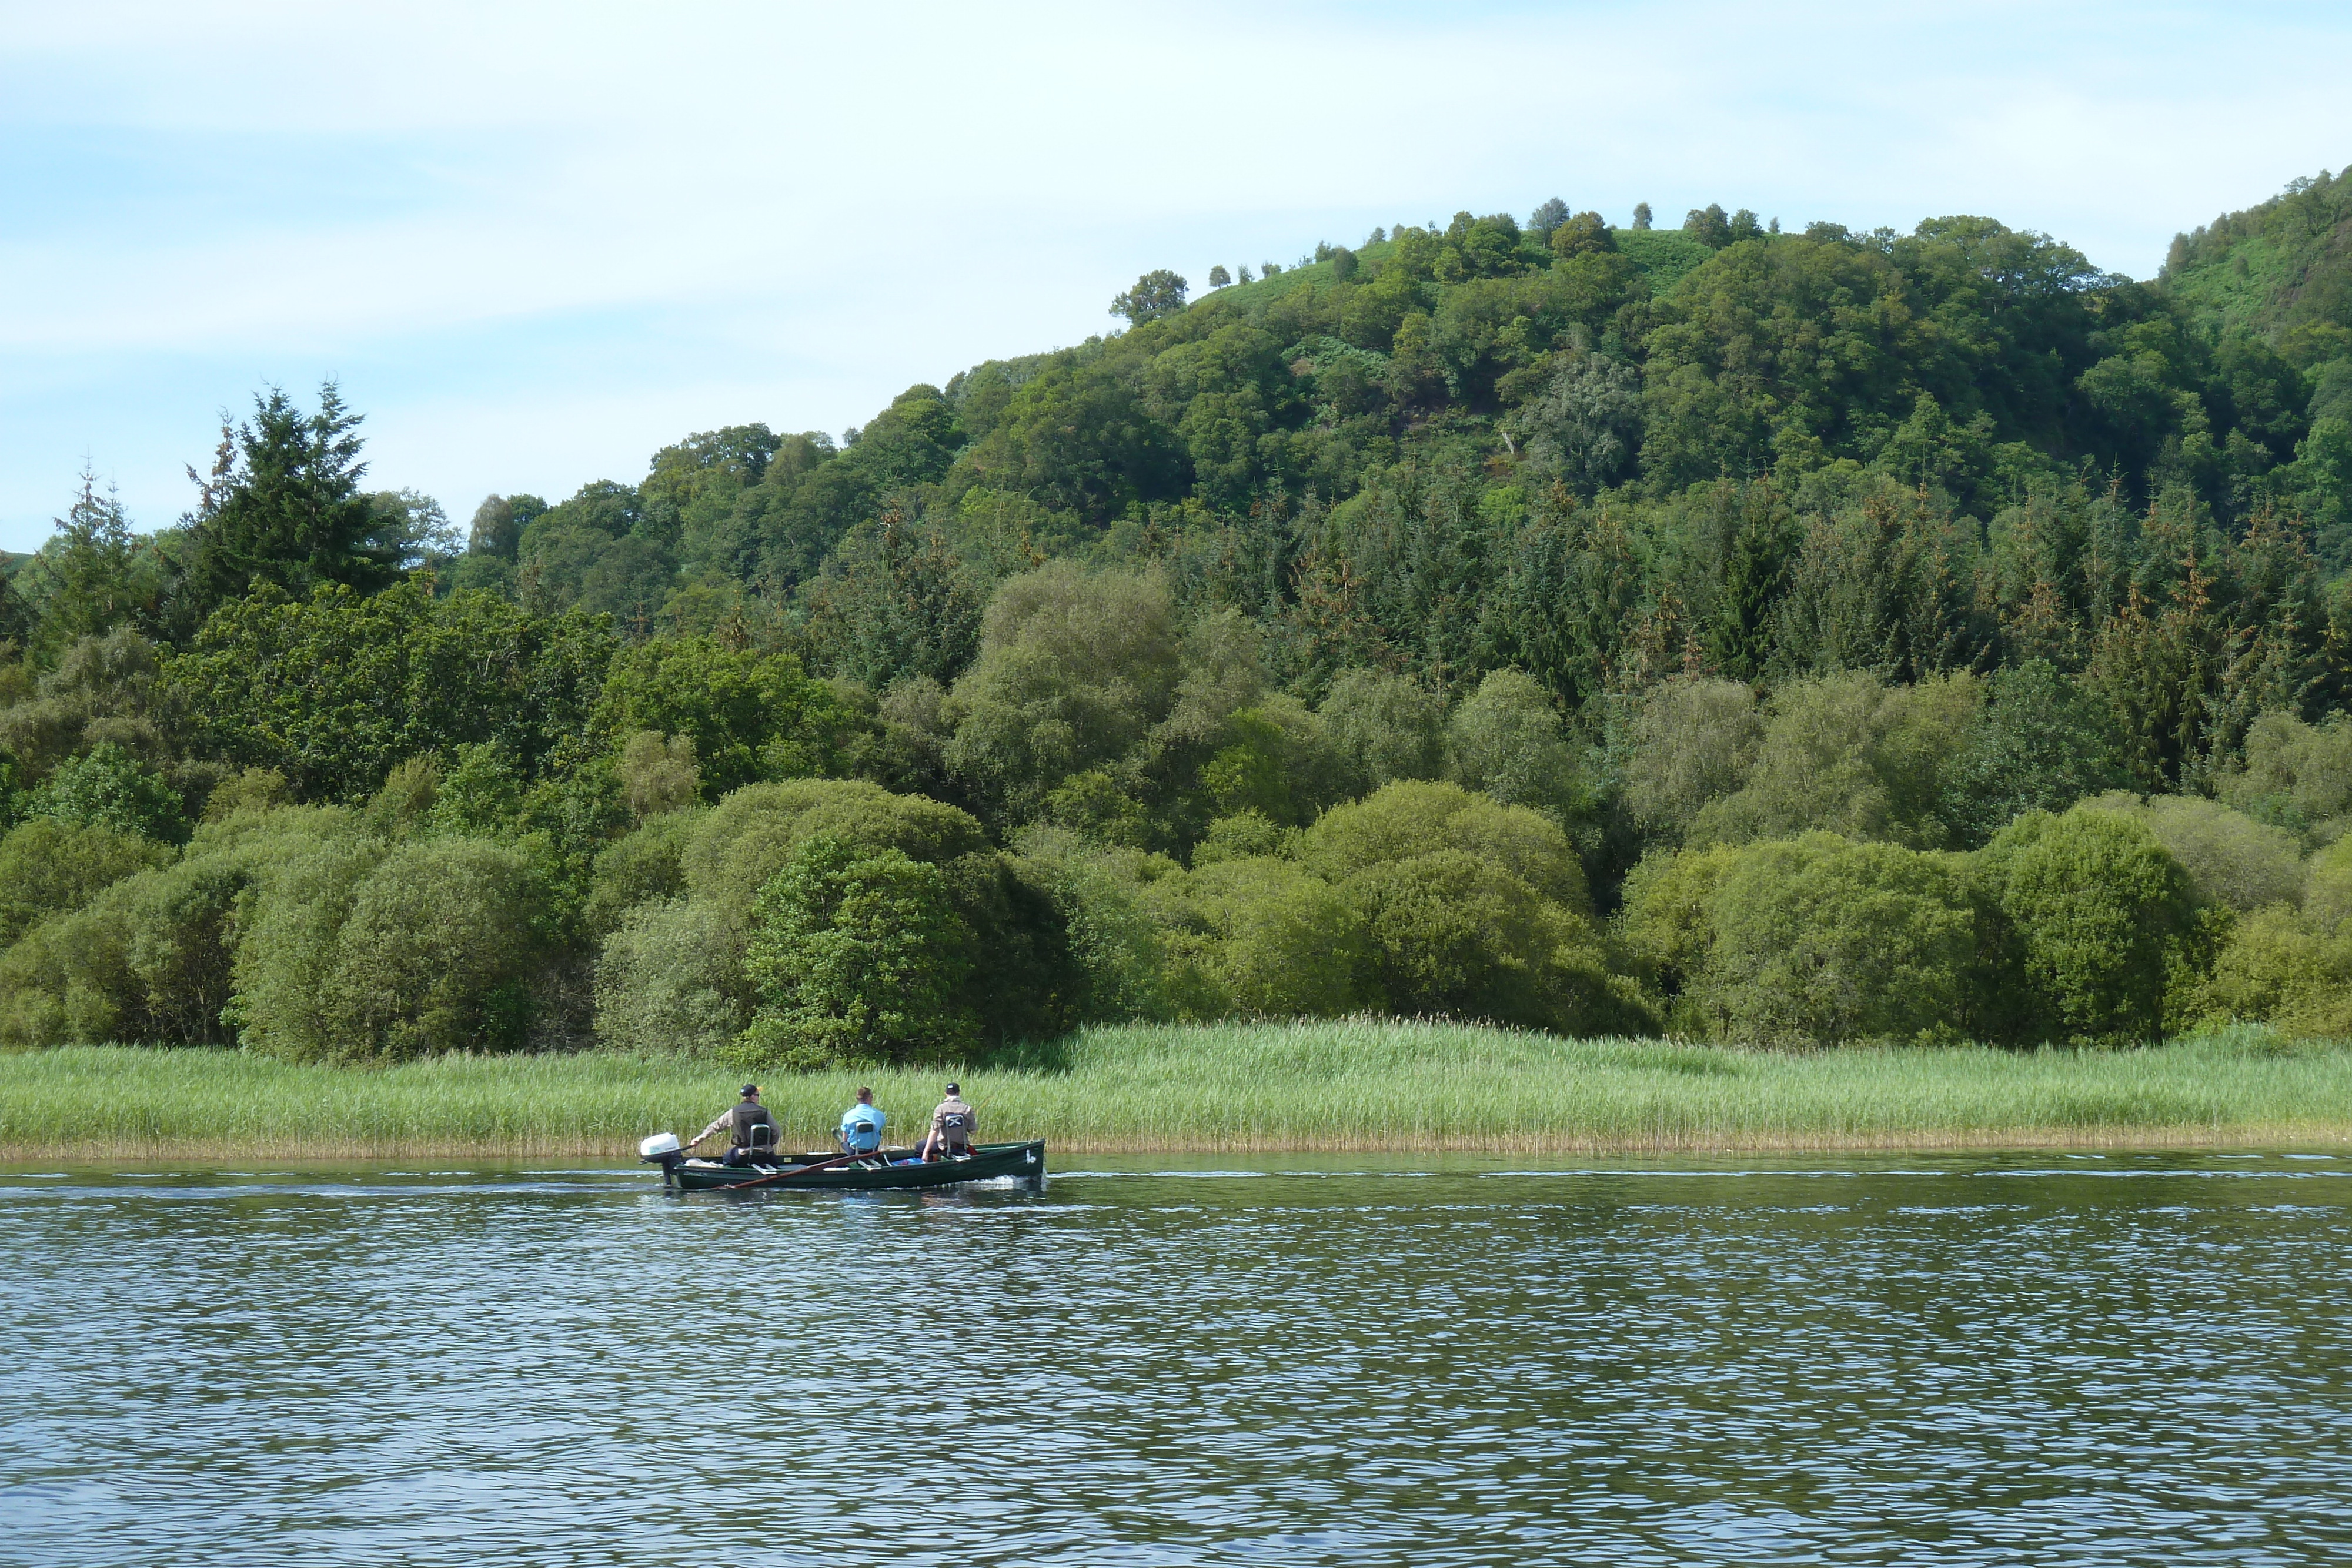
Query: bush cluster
(1148, 830)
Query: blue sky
(536, 242)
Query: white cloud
(590, 230)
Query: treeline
(1736, 633)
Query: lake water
(2024, 1359)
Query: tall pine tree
(1740, 642)
(282, 506)
(89, 578)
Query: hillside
(1757, 635)
(2282, 270)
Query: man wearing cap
(746, 1114)
(952, 1125)
(862, 1124)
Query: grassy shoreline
(1335, 1085)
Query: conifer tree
(1740, 643)
(282, 506)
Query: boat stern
(662, 1149)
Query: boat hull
(987, 1162)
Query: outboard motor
(662, 1149)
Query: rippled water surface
(2014, 1360)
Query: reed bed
(1344, 1084)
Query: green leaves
(2098, 910)
(751, 715)
(106, 788)
(859, 955)
(1155, 294)
(283, 507)
(333, 690)
(1820, 940)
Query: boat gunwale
(998, 1160)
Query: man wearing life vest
(743, 1143)
(952, 1127)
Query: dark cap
(953, 1090)
(749, 1090)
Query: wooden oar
(803, 1170)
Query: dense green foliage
(1764, 635)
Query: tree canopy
(1771, 631)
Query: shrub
(1247, 775)
(859, 955)
(1845, 755)
(1820, 939)
(1074, 668)
(438, 953)
(742, 844)
(1019, 971)
(2295, 775)
(1024, 978)
(1276, 759)
(1462, 936)
(671, 979)
(1506, 741)
(148, 960)
(2099, 913)
(1116, 957)
(658, 774)
(410, 791)
(2274, 969)
(1384, 728)
(2232, 860)
(1270, 940)
(178, 927)
(358, 951)
(1406, 819)
(1691, 743)
(1240, 837)
(300, 933)
(66, 983)
(480, 796)
(1664, 923)
(2327, 887)
(638, 868)
(48, 865)
(1101, 807)
(107, 787)
(252, 790)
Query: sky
(535, 243)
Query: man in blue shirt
(861, 1125)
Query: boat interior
(769, 1164)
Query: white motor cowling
(662, 1149)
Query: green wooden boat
(889, 1170)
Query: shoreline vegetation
(1346, 1084)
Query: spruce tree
(84, 583)
(282, 506)
(1754, 577)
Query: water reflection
(1157, 1361)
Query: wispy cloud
(535, 241)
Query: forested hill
(1465, 372)
(1572, 582)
